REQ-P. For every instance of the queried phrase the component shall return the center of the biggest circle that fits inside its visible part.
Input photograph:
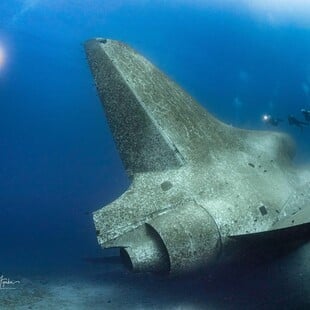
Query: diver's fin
(156, 125)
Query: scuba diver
(268, 119)
(306, 114)
(292, 120)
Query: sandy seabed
(283, 283)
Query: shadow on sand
(274, 282)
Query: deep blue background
(58, 160)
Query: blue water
(58, 159)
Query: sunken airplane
(200, 189)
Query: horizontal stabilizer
(301, 231)
(290, 229)
(261, 246)
(301, 217)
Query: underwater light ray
(2, 57)
(275, 11)
(25, 8)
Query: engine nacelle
(178, 241)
